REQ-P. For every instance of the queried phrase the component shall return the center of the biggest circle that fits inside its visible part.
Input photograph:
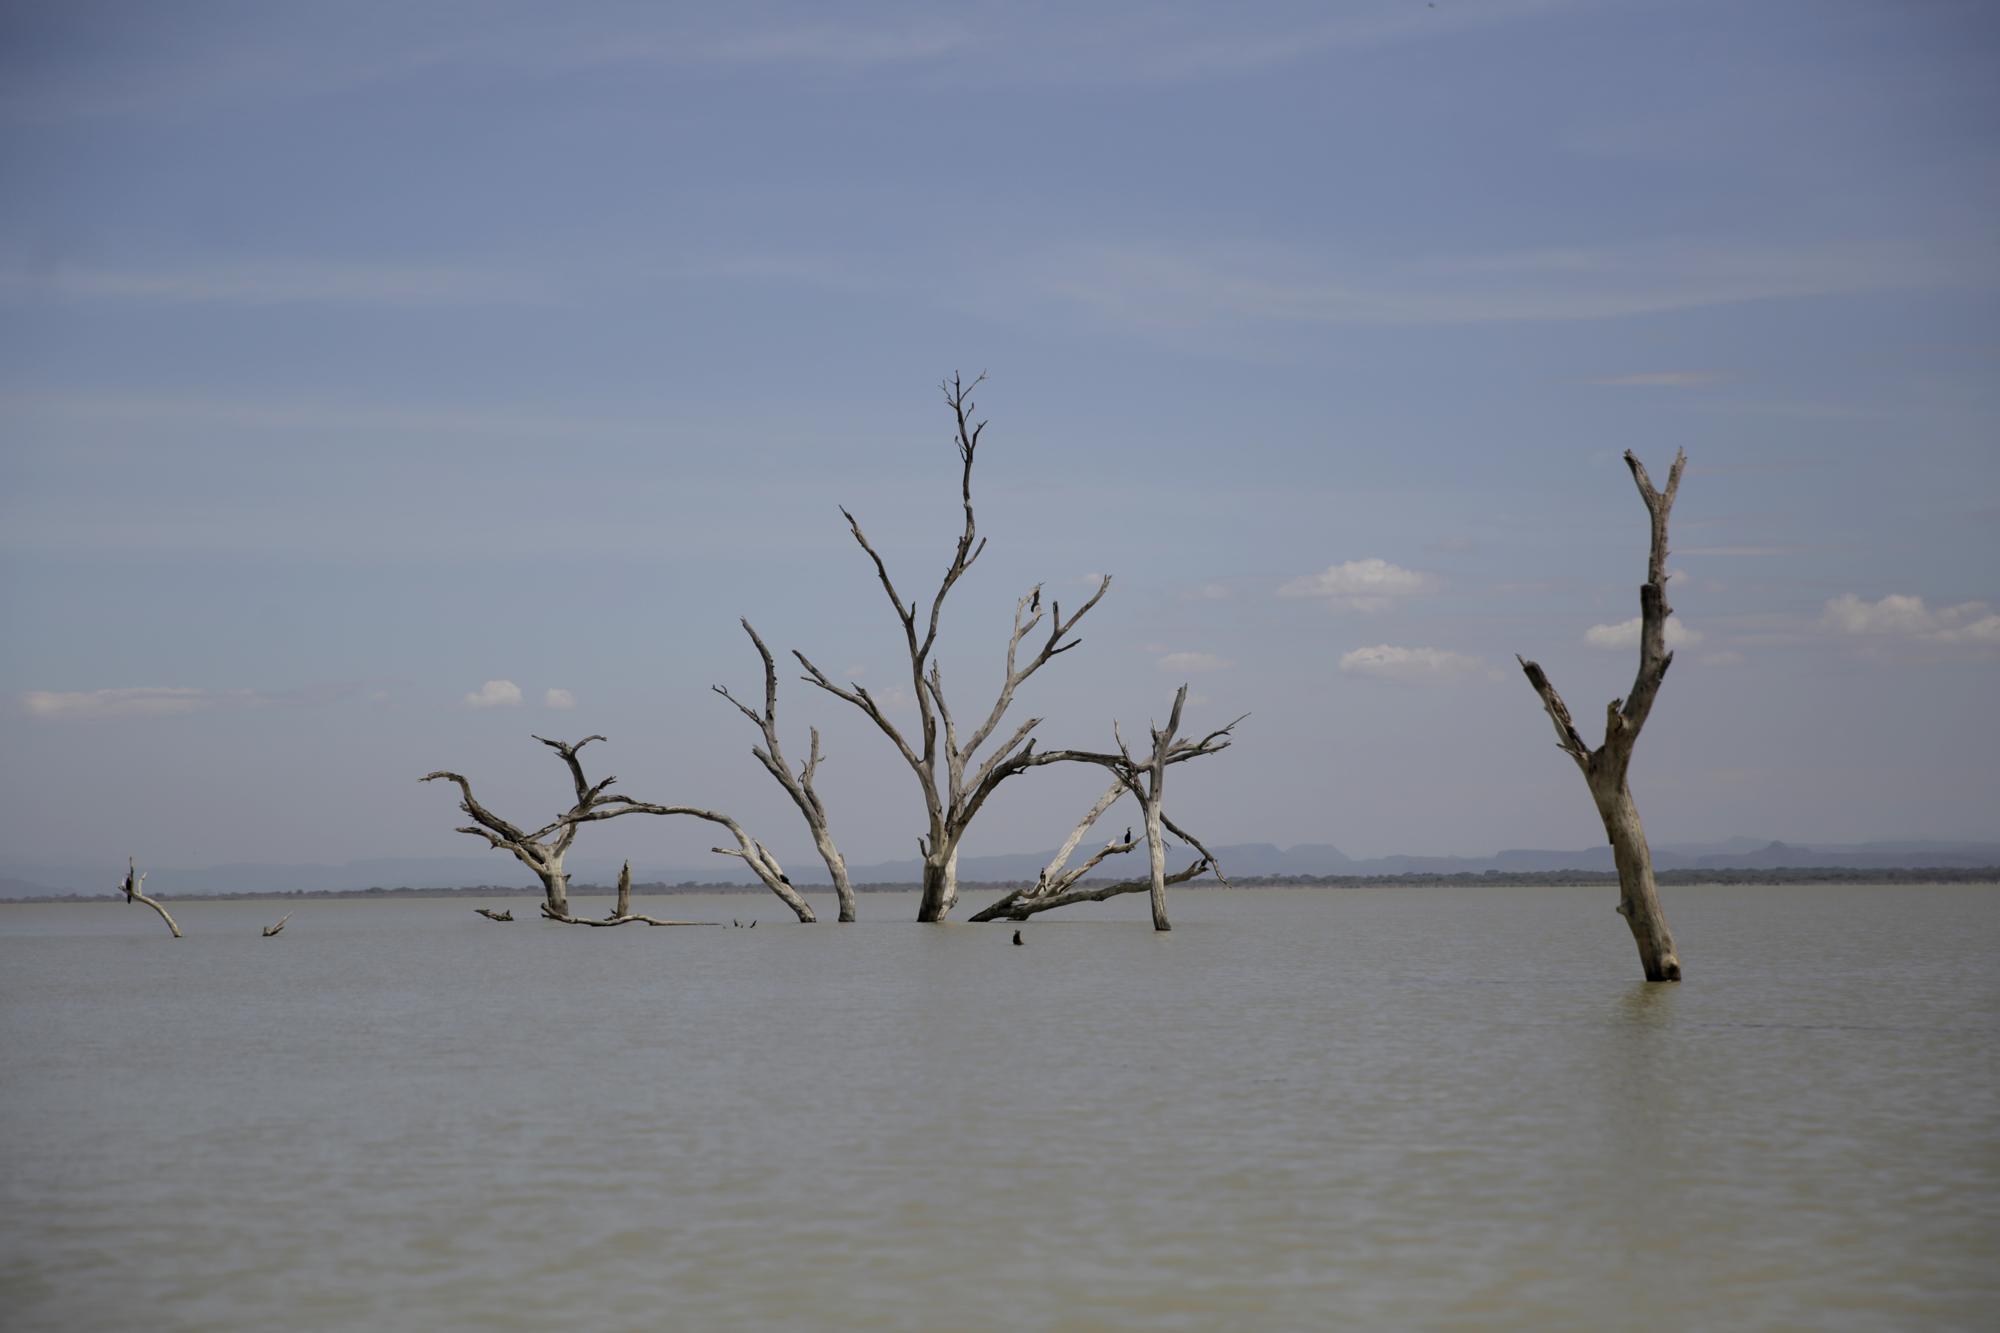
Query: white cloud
(495, 694)
(1625, 634)
(142, 701)
(1360, 585)
(1193, 662)
(1907, 616)
(561, 700)
(1388, 662)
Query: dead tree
(799, 785)
(1146, 781)
(492, 915)
(543, 850)
(954, 790)
(134, 883)
(269, 931)
(1057, 887)
(753, 853)
(1604, 769)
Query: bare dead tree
(269, 931)
(752, 852)
(1605, 768)
(954, 790)
(543, 850)
(132, 889)
(1057, 886)
(1147, 782)
(492, 915)
(799, 785)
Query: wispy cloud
(495, 694)
(1192, 663)
(168, 701)
(560, 700)
(1906, 616)
(1360, 585)
(1166, 287)
(305, 282)
(1386, 661)
(1625, 634)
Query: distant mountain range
(1247, 860)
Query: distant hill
(1249, 860)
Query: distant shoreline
(1493, 878)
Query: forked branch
(133, 889)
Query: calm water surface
(1436, 1108)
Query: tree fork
(1605, 769)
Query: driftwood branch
(1605, 769)
(269, 931)
(491, 915)
(133, 889)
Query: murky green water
(1403, 1108)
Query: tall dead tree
(1604, 769)
(132, 888)
(955, 783)
(799, 785)
(543, 850)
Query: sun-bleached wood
(954, 789)
(132, 888)
(799, 785)
(269, 931)
(752, 852)
(492, 915)
(1605, 768)
(1057, 884)
(543, 850)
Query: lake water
(1407, 1108)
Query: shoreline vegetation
(1830, 875)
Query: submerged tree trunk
(940, 887)
(624, 906)
(555, 888)
(1156, 855)
(1638, 894)
(1605, 769)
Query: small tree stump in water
(269, 931)
(492, 915)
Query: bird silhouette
(1035, 602)
(1128, 833)
(1018, 939)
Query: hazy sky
(354, 358)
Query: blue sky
(352, 357)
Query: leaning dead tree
(132, 889)
(269, 931)
(752, 852)
(798, 785)
(543, 850)
(1145, 780)
(956, 783)
(1604, 769)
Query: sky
(383, 384)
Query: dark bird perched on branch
(1018, 939)
(1035, 602)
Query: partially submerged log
(1605, 768)
(492, 915)
(269, 931)
(132, 888)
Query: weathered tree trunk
(1156, 856)
(1605, 769)
(131, 888)
(940, 887)
(555, 887)
(1638, 894)
(624, 907)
